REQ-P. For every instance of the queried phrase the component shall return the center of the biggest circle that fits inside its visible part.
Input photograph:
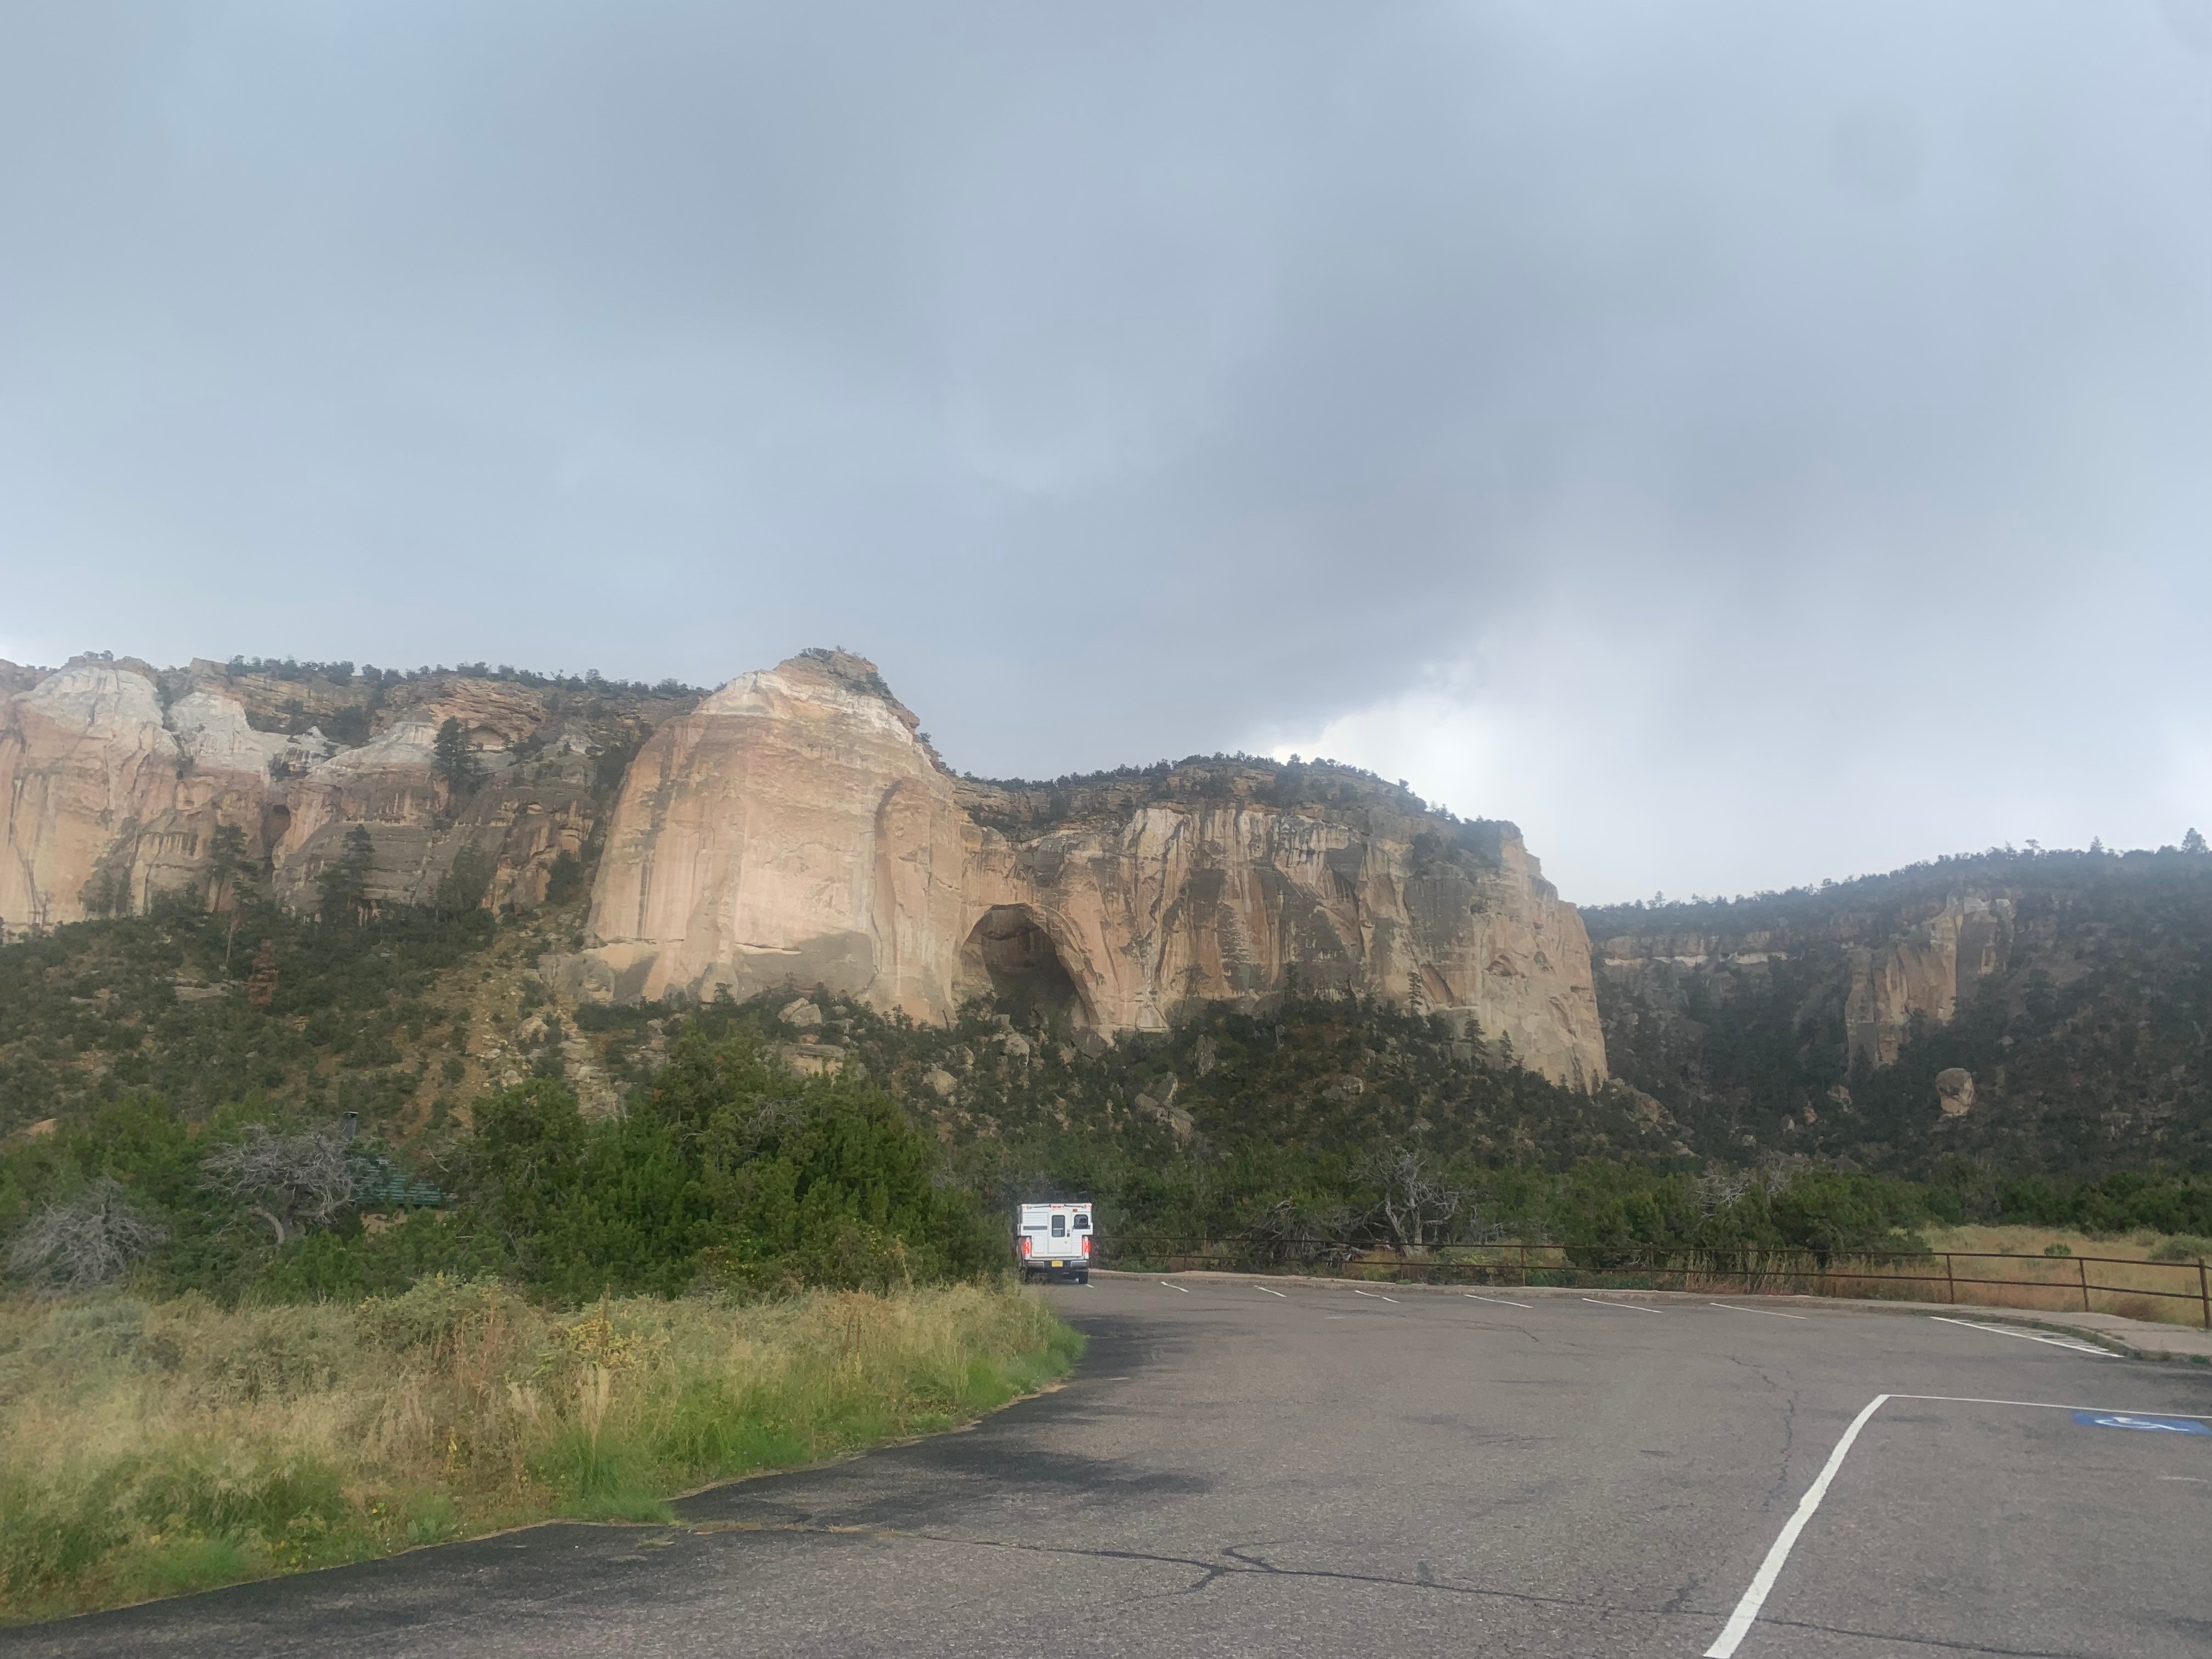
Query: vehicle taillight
(1086, 1244)
(1026, 1246)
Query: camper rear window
(1058, 1225)
(1083, 1223)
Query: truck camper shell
(1054, 1240)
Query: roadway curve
(1321, 1472)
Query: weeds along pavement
(149, 1448)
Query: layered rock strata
(115, 778)
(795, 828)
(1885, 972)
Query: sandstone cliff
(2046, 1007)
(115, 778)
(1881, 971)
(795, 828)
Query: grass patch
(150, 1449)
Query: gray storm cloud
(1744, 443)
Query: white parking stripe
(1263, 1287)
(1499, 1300)
(1374, 1295)
(1769, 1312)
(1596, 1303)
(1746, 1610)
(2048, 1406)
(2072, 1344)
(1174, 1287)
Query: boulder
(1954, 1090)
(1180, 1123)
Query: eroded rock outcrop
(795, 828)
(89, 771)
(115, 777)
(1881, 972)
(1926, 970)
(792, 828)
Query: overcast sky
(1741, 443)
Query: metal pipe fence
(1860, 1274)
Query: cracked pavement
(1232, 1473)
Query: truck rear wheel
(1083, 1277)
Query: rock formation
(1954, 1090)
(115, 778)
(795, 828)
(1922, 963)
(100, 796)
(1927, 969)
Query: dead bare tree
(1719, 1189)
(1290, 1235)
(1418, 1203)
(82, 1242)
(295, 1183)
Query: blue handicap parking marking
(2136, 1420)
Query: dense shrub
(819, 1182)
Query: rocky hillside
(120, 782)
(793, 827)
(385, 892)
(796, 828)
(2045, 1010)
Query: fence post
(2083, 1268)
(2205, 1292)
(1950, 1285)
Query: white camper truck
(1054, 1241)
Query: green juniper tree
(227, 863)
(344, 883)
(454, 759)
(227, 867)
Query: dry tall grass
(2144, 1275)
(2120, 1272)
(147, 1448)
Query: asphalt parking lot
(1246, 1468)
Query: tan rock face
(1929, 971)
(108, 798)
(1923, 965)
(1193, 901)
(100, 798)
(792, 828)
(795, 828)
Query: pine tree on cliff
(345, 884)
(227, 862)
(453, 758)
(227, 867)
(2192, 842)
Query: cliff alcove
(1008, 950)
